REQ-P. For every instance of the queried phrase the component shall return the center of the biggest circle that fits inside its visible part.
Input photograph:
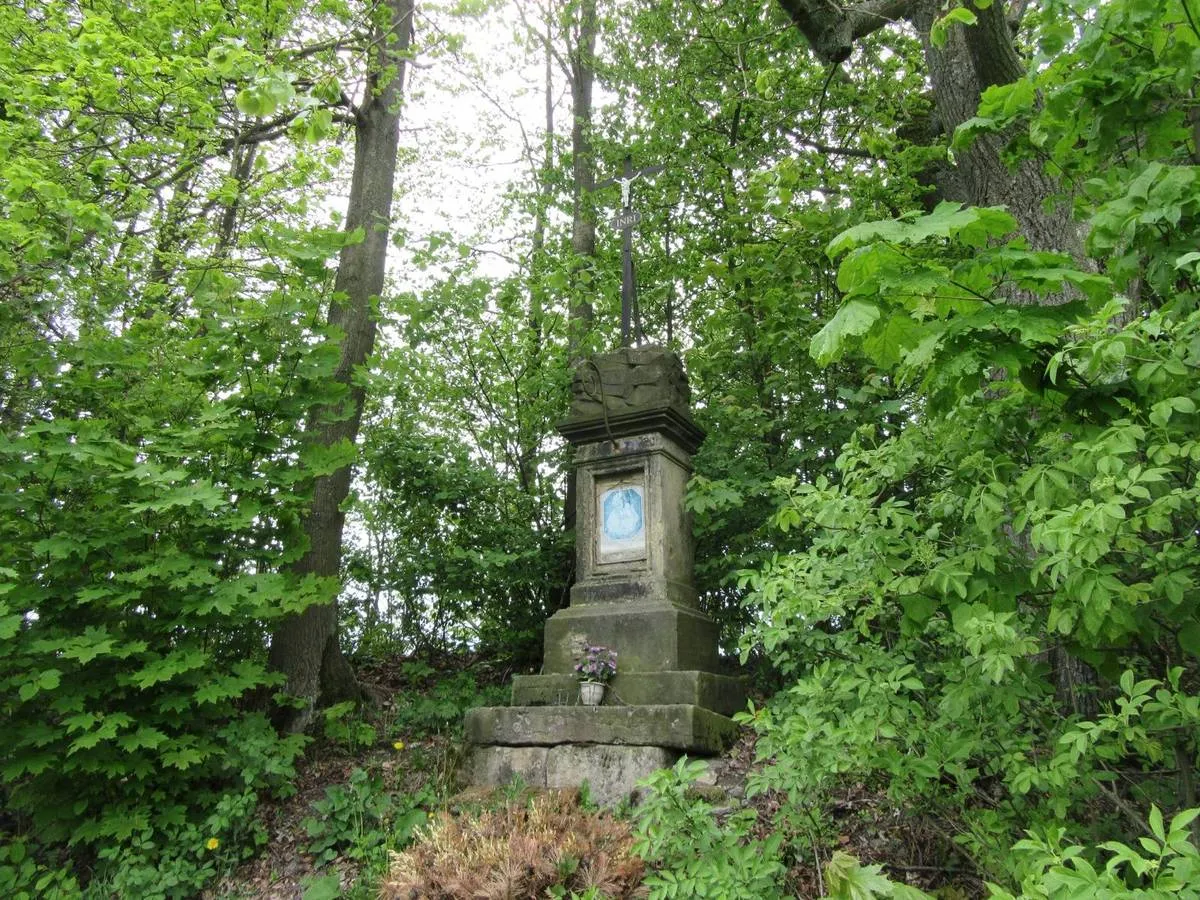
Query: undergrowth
(544, 845)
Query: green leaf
(938, 31)
(1156, 823)
(322, 887)
(855, 317)
(1189, 638)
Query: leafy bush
(343, 725)
(1167, 865)
(694, 854)
(439, 709)
(546, 844)
(361, 820)
(23, 877)
(993, 612)
(847, 879)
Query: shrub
(694, 853)
(361, 820)
(543, 845)
(440, 708)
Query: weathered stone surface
(691, 729)
(611, 772)
(633, 436)
(631, 391)
(661, 569)
(496, 766)
(648, 637)
(720, 693)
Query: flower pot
(591, 693)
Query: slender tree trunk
(241, 166)
(305, 646)
(583, 182)
(583, 169)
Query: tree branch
(832, 29)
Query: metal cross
(625, 220)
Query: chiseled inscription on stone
(622, 530)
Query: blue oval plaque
(622, 514)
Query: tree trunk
(974, 58)
(583, 170)
(583, 182)
(305, 647)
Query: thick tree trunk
(305, 647)
(974, 58)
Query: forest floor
(330, 838)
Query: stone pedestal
(633, 436)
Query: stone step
(721, 693)
(679, 726)
(610, 772)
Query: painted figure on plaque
(622, 520)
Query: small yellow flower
(212, 844)
(399, 745)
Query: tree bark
(583, 168)
(581, 314)
(974, 58)
(305, 647)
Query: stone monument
(634, 436)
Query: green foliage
(23, 877)
(361, 820)
(695, 855)
(1035, 516)
(344, 726)
(439, 707)
(159, 299)
(462, 501)
(847, 879)
(1166, 865)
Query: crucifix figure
(625, 220)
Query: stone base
(683, 727)
(720, 693)
(650, 637)
(610, 772)
(633, 588)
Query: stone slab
(632, 587)
(610, 772)
(684, 727)
(720, 693)
(497, 766)
(649, 637)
